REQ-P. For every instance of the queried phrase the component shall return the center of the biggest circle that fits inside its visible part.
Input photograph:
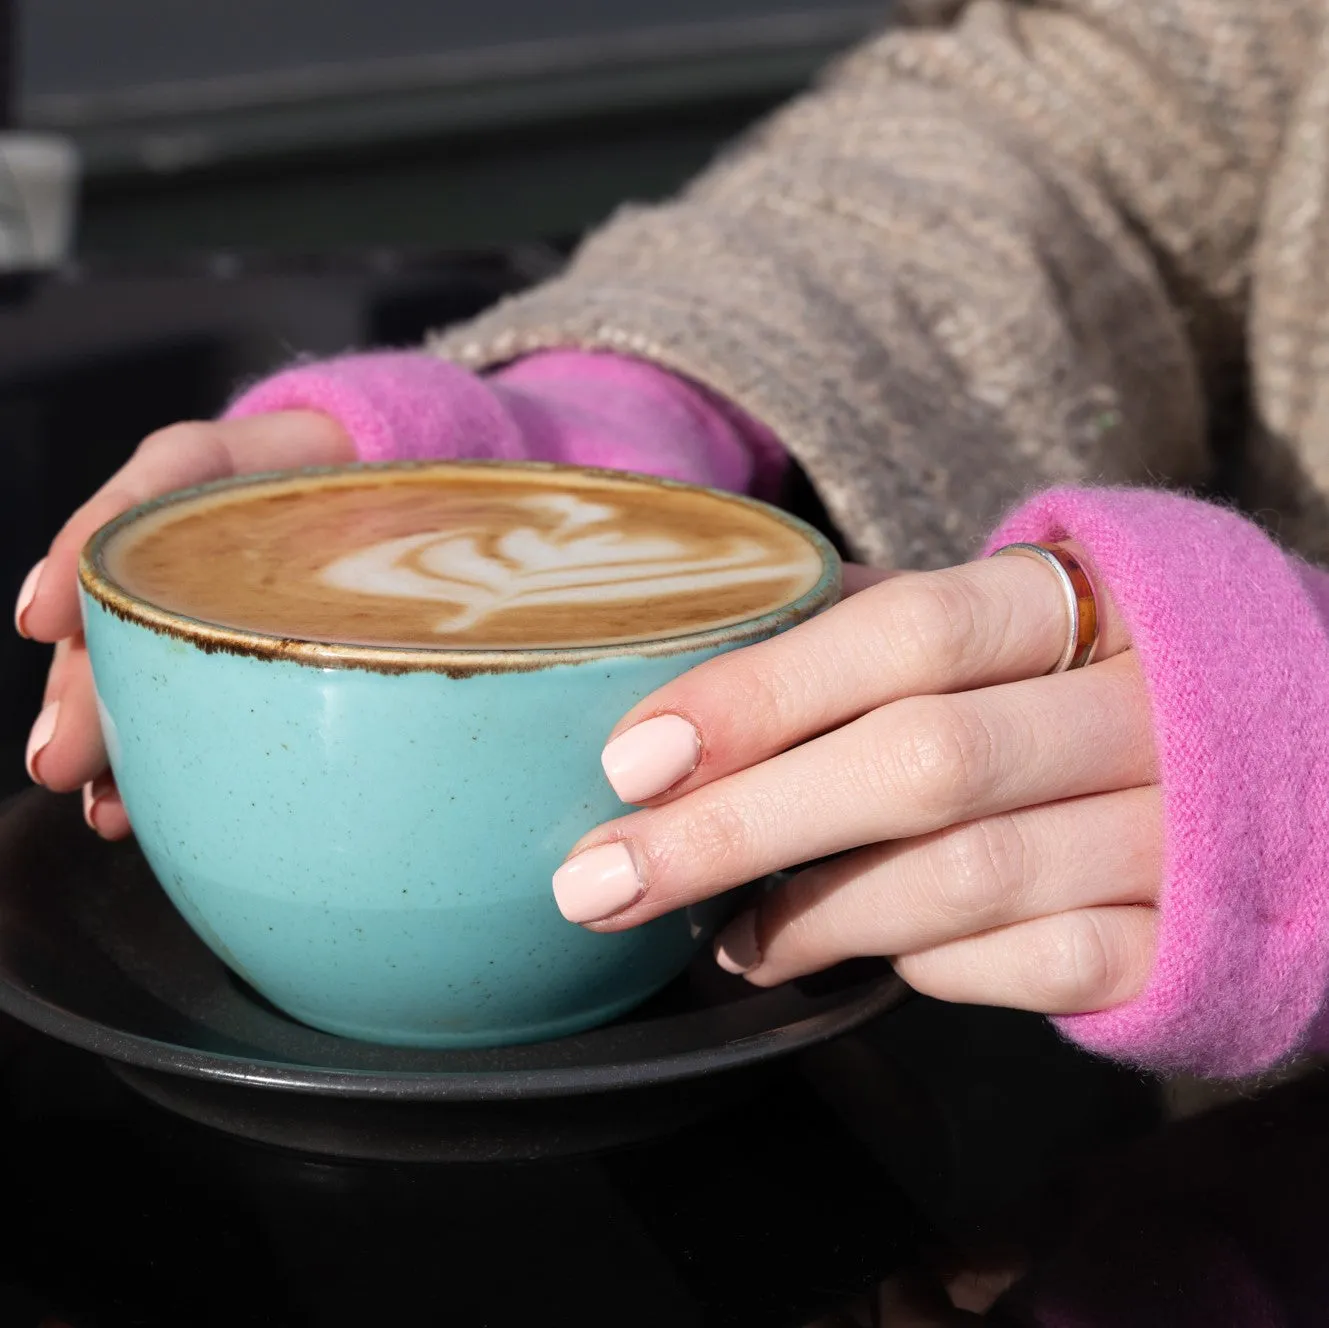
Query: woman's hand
(994, 831)
(65, 751)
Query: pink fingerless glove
(577, 407)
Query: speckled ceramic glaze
(367, 835)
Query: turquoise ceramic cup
(367, 835)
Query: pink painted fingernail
(651, 757)
(89, 805)
(42, 733)
(597, 884)
(26, 595)
(737, 949)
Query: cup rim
(455, 661)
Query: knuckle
(763, 697)
(717, 843)
(168, 438)
(1075, 967)
(933, 623)
(944, 756)
(981, 871)
(196, 436)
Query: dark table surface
(133, 1217)
(846, 1167)
(887, 1158)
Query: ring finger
(905, 897)
(917, 634)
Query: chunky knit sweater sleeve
(1007, 248)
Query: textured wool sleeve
(1003, 251)
(1232, 634)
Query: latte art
(574, 563)
(469, 557)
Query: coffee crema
(480, 557)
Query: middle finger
(907, 769)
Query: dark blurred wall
(319, 125)
(81, 48)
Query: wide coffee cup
(365, 833)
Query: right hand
(66, 751)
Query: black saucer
(92, 952)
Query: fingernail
(737, 949)
(597, 884)
(26, 595)
(42, 733)
(89, 806)
(651, 757)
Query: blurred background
(316, 124)
(313, 175)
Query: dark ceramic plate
(92, 952)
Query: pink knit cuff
(395, 405)
(580, 408)
(1235, 653)
(641, 417)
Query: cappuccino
(464, 557)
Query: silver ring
(1077, 591)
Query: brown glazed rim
(455, 661)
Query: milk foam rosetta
(585, 558)
(476, 558)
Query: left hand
(996, 832)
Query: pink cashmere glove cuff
(579, 408)
(1233, 645)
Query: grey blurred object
(161, 85)
(8, 62)
(325, 126)
(38, 177)
(38, 194)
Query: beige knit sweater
(1007, 245)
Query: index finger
(983, 623)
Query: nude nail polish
(651, 757)
(737, 949)
(26, 595)
(89, 805)
(42, 733)
(597, 884)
